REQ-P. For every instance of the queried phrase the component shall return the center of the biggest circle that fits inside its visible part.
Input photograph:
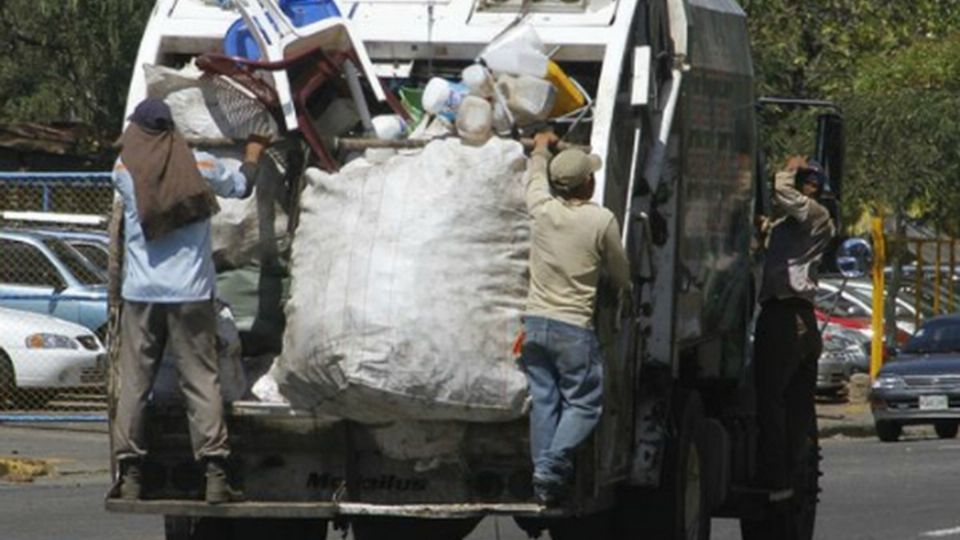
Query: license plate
(934, 403)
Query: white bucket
(530, 99)
(388, 127)
(442, 97)
(518, 51)
(478, 80)
(475, 120)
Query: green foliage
(893, 66)
(68, 60)
(903, 106)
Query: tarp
(408, 281)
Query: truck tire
(188, 528)
(394, 528)
(679, 510)
(794, 519)
(597, 526)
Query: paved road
(873, 491)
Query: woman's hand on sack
(254, 148)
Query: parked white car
(43, 352)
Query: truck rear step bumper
(330, 509)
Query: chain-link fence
(53, 293)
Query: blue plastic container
(240, 42)
(304, 12)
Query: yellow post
(953, 270)
(936, 279)
(918, 274)
(879, 261)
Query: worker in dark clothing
(168, 286)
(574, 240)
(788, 342)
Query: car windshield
(81, 269)
(937, 336)
(98, 256)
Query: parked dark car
(922, 384)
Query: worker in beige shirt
(574, 240)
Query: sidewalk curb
(860, 431)
(74, 427)
(853, 420)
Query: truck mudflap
(329, 510)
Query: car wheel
(888, 431)
(9, 394)
(946, 430)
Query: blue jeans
(565, 372)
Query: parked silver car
(843, 354)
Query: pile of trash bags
(408, 267)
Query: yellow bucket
(569, 97)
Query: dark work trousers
(786, 350)
(187, 332)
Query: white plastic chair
(279, 39)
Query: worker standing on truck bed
(788, 342)
(168, 286)
(573, 240)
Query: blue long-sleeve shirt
(177, 267)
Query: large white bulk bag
(408, 282)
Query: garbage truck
(668, 103)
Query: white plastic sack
(233, 380)
(207, 109)
(235, 235)
(409, 279)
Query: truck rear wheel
(679, 510)
(795, 518)
(188, 528)
(394, 528)
(598, 526)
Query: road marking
(942, 532)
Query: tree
(69, 60)
(903, 106)
(815, 49)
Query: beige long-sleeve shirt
(797, 242)
(572, 242)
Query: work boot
(218, 485)
(131, 476)
(548, 493)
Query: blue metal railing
(52, 418)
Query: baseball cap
(154, 114)
(816, 170)
(572, 167)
